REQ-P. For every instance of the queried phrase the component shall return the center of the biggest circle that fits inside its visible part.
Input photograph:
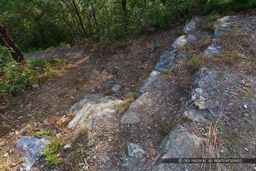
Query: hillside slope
(161, 96)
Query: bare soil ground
(90, 69)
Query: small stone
(81, 164)
(20, 117)
(135, 150)
(67, 147)
(2, 143)
(5, 155)
(222, 151)
(248, 121)
(57, 113)
(205, 134)
(246, 149)
(94, 157)
(46, 123)
(245, 106)
(157, 46)
(246, 115)
(35, 85)
(117, 89)
(201, 103)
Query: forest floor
(94, 69)
(91, 69)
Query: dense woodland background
(40, 24)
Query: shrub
(5, 57)
(51, 151)
(16, 77)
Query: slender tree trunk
(94, 14)
(124, 2)
(2, 42)
(79, 17)
(18, 56)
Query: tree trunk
(2, 42)
(124, 2)
(79, 17)
(94, 14)
(17, 55)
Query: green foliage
(43, 24)
(39, 116)
(227, 6)
(51, 151)
(5, 57)
(44, 132)
(17, 77)
(211, 20)
(30, 122)
(40, 24)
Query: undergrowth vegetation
(51, 150)
(15, 77)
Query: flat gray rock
(212, 50)
(91, 109)
(224, 22)
(206, 77)
(223, 25)
(165, 62)
(179, 143)
(138, 109)
(134, 150)
(183, 40)
(218, 31)
(32, 149)
(196, 115)
(153, 101)
(117, 89)
(191, 26)
(152, 77)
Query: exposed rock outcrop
(179, 143)
(32, 149)
(91, 109)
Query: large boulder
(152, 77)
(32, 149)
(212, 50)
(165, 62)
(179, 143)
(183, 41)
(155, 101)
(224, 22)
(191, 26)
(139, 109)
(92, 109)
(224, 25)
